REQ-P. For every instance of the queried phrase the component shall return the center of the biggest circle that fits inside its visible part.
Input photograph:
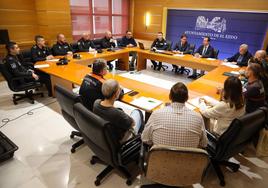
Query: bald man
(108, 42)
(240, 58)
(261, 58)
(85, 43)
(61, 47)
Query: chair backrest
(96, 134)
(240, 133)
(97, 43)
(119, 42)
(8, 76)
(74, 45)
(176, 166)
(66, 100)
(169, 44)
(27, 55)
(192, 48)
(216, 53)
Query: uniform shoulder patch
(13, 65)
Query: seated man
(40, 52)
(182, 47)
(123, 126)
(108, 42)
(240, 58)
(254, 91)
(176, 125)
(90, 89)
(159, 44)
(85, 43)
(129, 41)
(61, 47)
(204, 51)
(261, 58)
(14, 65)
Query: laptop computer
(141, 45)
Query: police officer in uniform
(15, 66)
(61, 47)
(159, 44)
(40, 52)
(85, 43)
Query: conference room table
(73, 73)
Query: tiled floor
(44, 158)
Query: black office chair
(24, 84)
(99, 138)
(66, 100)
(74, 45)
(234, 140)
(97, 43)
(119, 42)
(216, 53)
(27, 58)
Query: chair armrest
(212, 137)
(129, 150)
(21, 78)
(142, 158)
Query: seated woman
(231, 106)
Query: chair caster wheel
(129, 182)
(97, 182)
(222, 183)
(73, 150)
(235, 169)
(92, 161)
(15, 103)
(72, 136)
(32, 102)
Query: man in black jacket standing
(159, 44)
(61, 47)
(204, 51)
(85, 43)
(240, 58)
(40, 52)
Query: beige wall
(155, 7)
(26, 18)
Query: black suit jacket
(244, 61)
(182, 48)
(209, 53)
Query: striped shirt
(175, 125)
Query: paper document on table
(178, 55)
(235, 72)
(146, 103)
(126, 90)
(41, 66)
(53, 60)
(211, 59)
(230, 65)
(201, 104)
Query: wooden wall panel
(155, 7)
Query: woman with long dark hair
(230, 106)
